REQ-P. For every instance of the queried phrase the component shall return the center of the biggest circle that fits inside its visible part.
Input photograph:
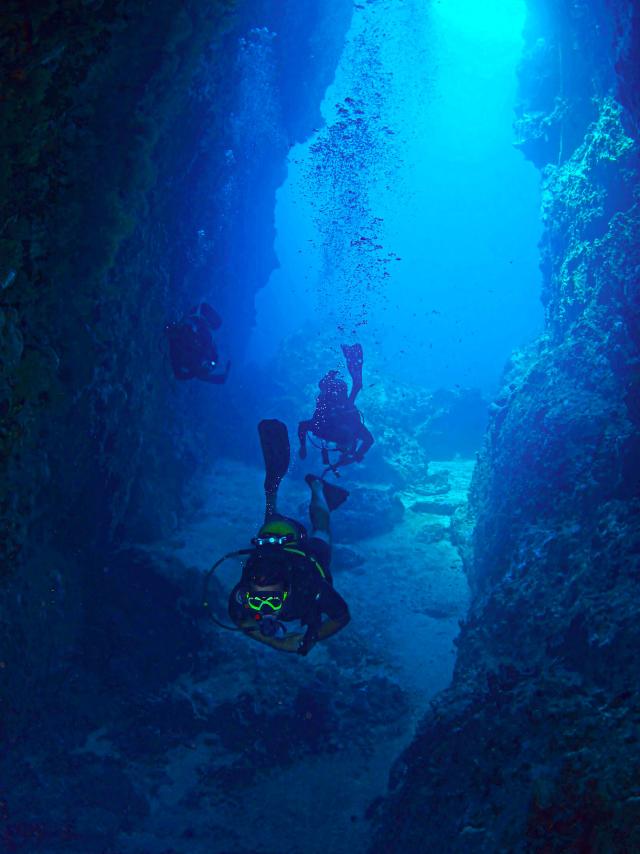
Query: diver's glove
(307, 643)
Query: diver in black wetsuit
(336, 419)
(287, 577)
(192, 348)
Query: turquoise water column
(410, 222)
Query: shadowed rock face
(141, 149)
(126, 136)
(534, 747)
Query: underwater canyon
(484, 696)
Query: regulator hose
(205, 587)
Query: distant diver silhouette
(337, 422)
(192, 348)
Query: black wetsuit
(336, 418)
(310, 594)
(192, 348)
(339, 423)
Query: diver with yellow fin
(286, 577)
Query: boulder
(368, 512)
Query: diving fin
(354, 358)
(274, 441)
(333, 495)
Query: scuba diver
(336, 420)
(192, 348)
(287, 573)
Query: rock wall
(142, 147)
(535, 745)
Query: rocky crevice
(532, 748)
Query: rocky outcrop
(141, 153)
(532, 748)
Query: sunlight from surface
(410, 222)
(499, 20)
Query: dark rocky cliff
(535, 745)
(142, 144)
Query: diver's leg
(274, 440)
(332, 497)
(270, 503)
(319, 511)
(354, 358)
(303, 428)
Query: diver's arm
(367, 440)
(182, 373)
(290, 643)
(207, 374)
(332, 627)
(331, 603)
(297, 642)
(327, 629)
(218, 379)
(250, 627)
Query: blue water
(426, 170)
(407, 222)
